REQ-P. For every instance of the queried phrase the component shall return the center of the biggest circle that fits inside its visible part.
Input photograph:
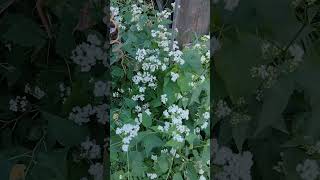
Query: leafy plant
(42, 133)
(160, 105)
(266, 96)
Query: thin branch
(34, 153)
(159, 4)
(7, 6)
(175, 21)
(42, 17)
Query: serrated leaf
(65, 131)
(234, 62)
(275, 102)
(146, 120)
(150, 142)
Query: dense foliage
(160, 97)
(265, 89)
(53, 110)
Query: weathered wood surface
(194, 17)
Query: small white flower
(202, 178)
(154, 157)
(100, 89)
(308, 170)
(96, 170)
(152, 175)
(174, 76)
(206, 115)
(164, 98)
(125, 147)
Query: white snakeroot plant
(308, 170)
(19, 104)
(155, 109)
(233, 166)
(88, 54)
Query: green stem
(128, 165)
(170, 168)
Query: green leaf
(50, 165)
(275, 102)
(130, 103)
(234, 62)
(25, 32)
(183, 82)
(65, 41)
(239, 134)
(177, 176)
(191, 172)
(163, 164)
(192, 60)
(117, 72)
(136, 164)
(191, 137)
(146, 120)
(65, 131)
(150, 142)
(125, 116)
(174, 144)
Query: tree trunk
(194, 18)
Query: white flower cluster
(267, 73)
(164, 42)
(83, 115)
(129, 131)
(86, 54)
(298, 2)
(177, 115)
(205, 59)
(297, 56)
(173, 152)
(116, 16)
(152, 175)
(19, 104)
(136, 13)
(202, 177)
(96, 170)
(117, 93)
(314, 149)
(222, 109)
(140, 109)
(35, 92)
(234, 166)
(174, 76)
(146, 79)
(165, 14)
(64, 91)
(100, 89)
(206, 116)
(196, 81)
(164, 98)
(154, 157)
(270, 73)
(90, 149)
(308, 170)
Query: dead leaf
(17, 172)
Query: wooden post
(194, 18)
